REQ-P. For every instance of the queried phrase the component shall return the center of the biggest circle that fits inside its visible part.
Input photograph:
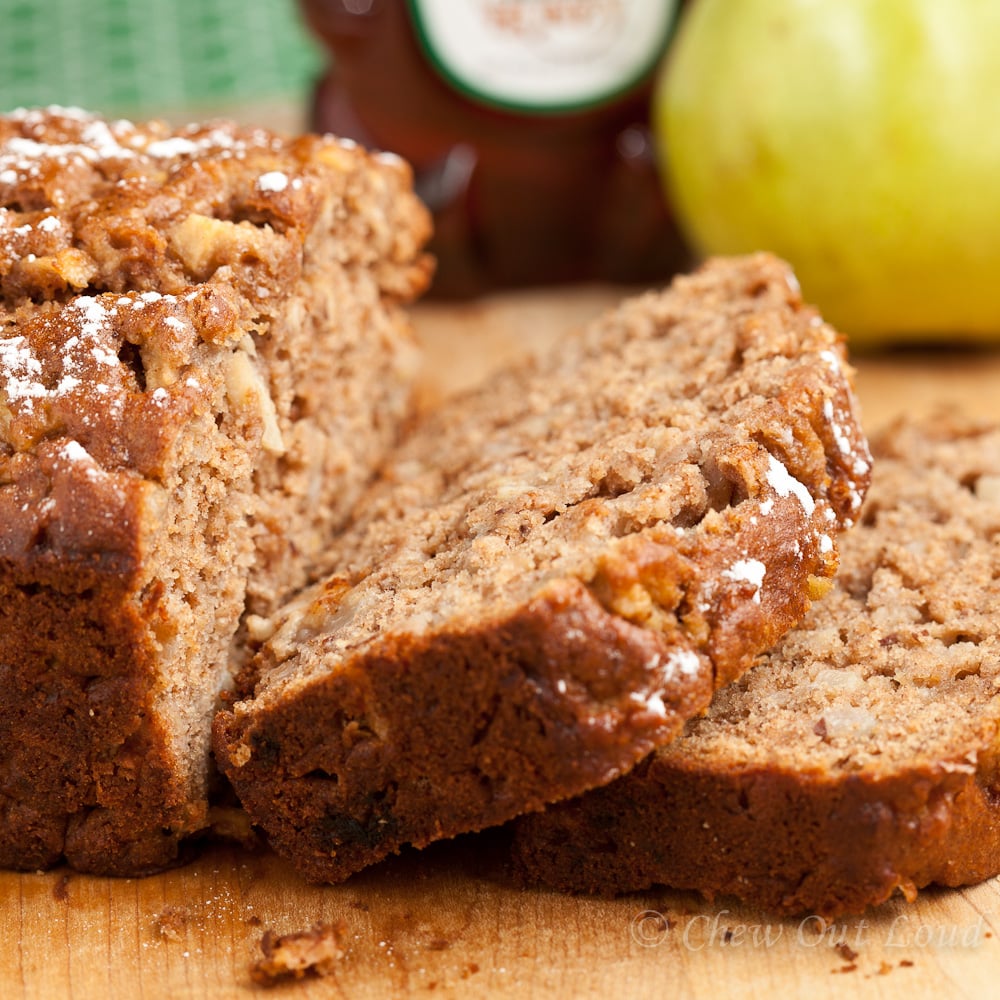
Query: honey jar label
(543, 55)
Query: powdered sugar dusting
(171, 148)
(17, 368)
(94, 342)
(104, 357)
(274, 180)
(655, 704)
(21, 153)
(95, 316)
(98, 135)
(785, 484)
(683, 662)
(32, 116)
(75, 452)
(860, 464)
(748, 571)
(218, 140)
(831, 359)
(100, 141)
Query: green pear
(859, 139)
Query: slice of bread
(202, 359)
(555, 572)
(861, 755)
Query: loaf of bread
(861, 756)
(554, 572)
(202, 359)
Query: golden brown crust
(77, 715)
(554, 573)
(784, 841)
(860, 757)
(119, 206)
(173, 305)
(485, 723)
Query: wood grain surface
(447, 922)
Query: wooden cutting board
(447, 922)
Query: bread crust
(481, 730)
(356, 739)
(790, 843)
(75, 716)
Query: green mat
(130, 56)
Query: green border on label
(469, 90)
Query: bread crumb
(846, 952)
(60, 891)
(293, 956)
(232, 824)
(171, 922)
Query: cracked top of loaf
(128, 253)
